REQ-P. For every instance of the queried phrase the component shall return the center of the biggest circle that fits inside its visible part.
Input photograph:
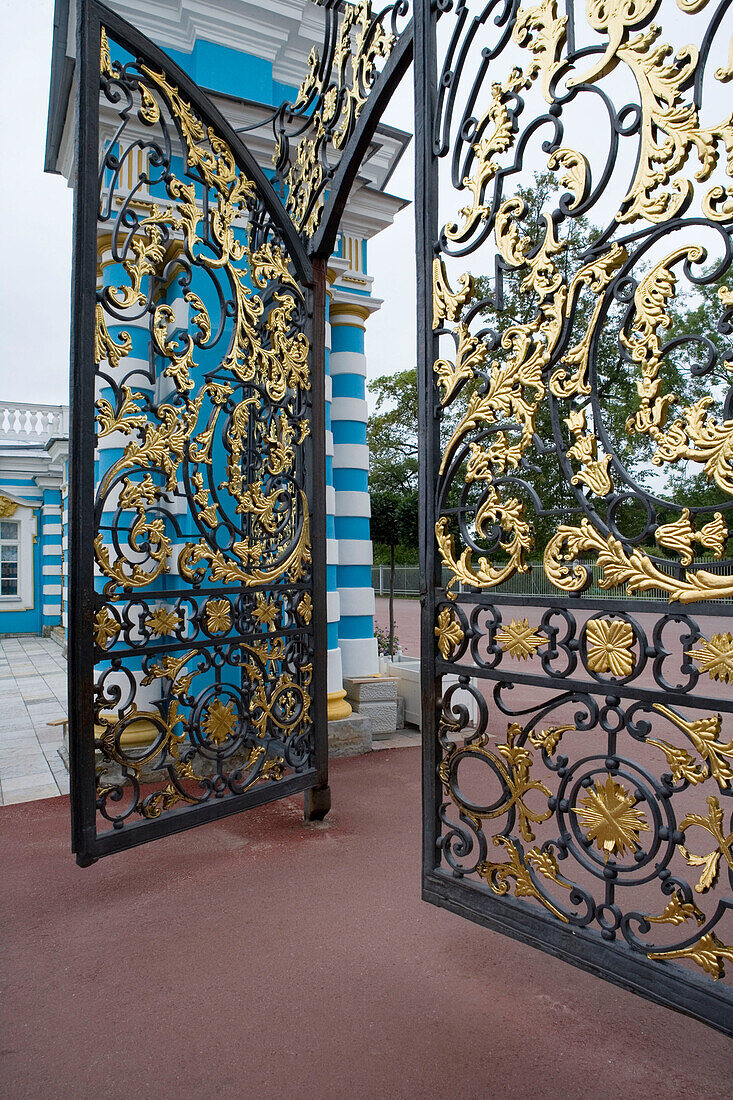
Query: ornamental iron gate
(570, 408)
(197, 504)
(586, 807)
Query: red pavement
(262, 957)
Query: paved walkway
(260, 958)
(32, 694)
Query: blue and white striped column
(337, 704)
(51, 532)
(349, 414)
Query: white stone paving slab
(32, 694)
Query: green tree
(691, 313)
(394, 520)
(392, 432)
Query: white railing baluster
(32, 423)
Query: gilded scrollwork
(329, 102)
(584, 412)
(202, 540)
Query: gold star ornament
(220, 721)
(715, 657)
(520, 640)
(609, 814)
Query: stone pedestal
(350, 736)
(375, 697)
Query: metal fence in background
(533, 583)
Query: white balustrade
(32, 423)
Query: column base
(337, 707)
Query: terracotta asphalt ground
(260, 957)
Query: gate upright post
(317, 800)
(426, 195)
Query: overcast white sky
(35, 257)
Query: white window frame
(27, 522)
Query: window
(9, 536)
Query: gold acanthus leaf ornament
(105, 346)
(543, 32)
(334, 96)
(695, 435)
(498, 130)
(448, 632)
(447, 304)
(577, 171)
(8, 507)
(549, 739)
(520, 867)
(105, 60)
(670, 127)
(513, 762)
(704, 733)
(710, 863)
(677, 911)
(634, 569)
(709, 953)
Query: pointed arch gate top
(197, 502)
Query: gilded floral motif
(305, 608)
(220, 721)
(163, 621)
(608, 644)
(218, 616)
(106, 627)
(266, 612)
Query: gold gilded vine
(618, 567)
(338, 93)
(279, 363)
(513, 763)
(520, 868)
(710, 863)
(709, 953)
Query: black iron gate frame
(309, 248)
(314, 781)
(665, 983)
